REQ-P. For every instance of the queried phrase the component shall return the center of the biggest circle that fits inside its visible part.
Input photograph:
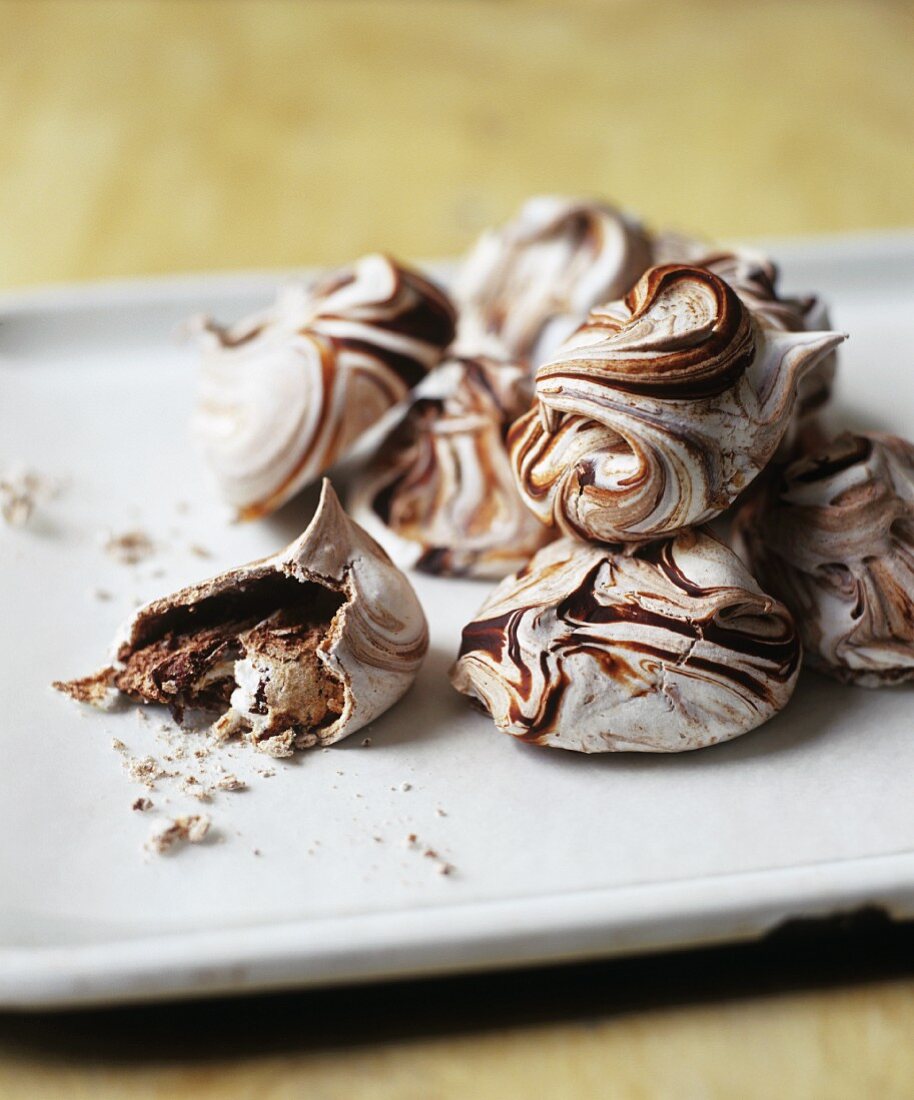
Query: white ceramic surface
(555, 855)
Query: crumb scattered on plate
(129, 548)
(189, 829)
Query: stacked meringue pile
(593, 398)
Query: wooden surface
(178, 136)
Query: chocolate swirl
(660, 410)
(439, 495)
(526, 286)
(834, 539)
(663, 648)
(755, 278)
(286, 393)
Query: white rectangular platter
(308, 877)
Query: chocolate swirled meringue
(527, 285)
(300, 649)
(755, 277)
(660, 410)
(664, 647)
(439, 495)
(286, 393)
(833, 537)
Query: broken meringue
(660, 410)
(659, 648)
(286, 393)
(440, 495)
(527, 285)
(299, 649)
(833, 537)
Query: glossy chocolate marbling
(440, 495)
(833, 536)
(660, 409)
(666, 647)
(285, 393)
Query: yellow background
(184, 135)
(154, 137)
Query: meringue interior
(251, 652)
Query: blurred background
(144, 137)
(155, 136)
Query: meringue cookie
(300, 649)
(833, 537)
(286, 393)
(440, 495)
(754, 276)
(527, 285)
(660, 410)
(660, 648)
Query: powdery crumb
(410, 840)
(118, 745)
(406, 786)
(231, 783)
(199, 551)
(146, 770)
(129, 548)
(189, 829)
(20, 491)
(366, 742)
(141, 804)
(445, 868)
(440, 813)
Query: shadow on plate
(861, 947)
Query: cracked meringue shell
(287, 392)
(529, 283)
(833, 537)
(664, 647)
(439, 495)
(660, 410)
(299, 649)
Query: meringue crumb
(231, 783)
(279, 746)
(130, 548)
(199, 551)
(255, 851)
(141, 804)
(445, 868)
(378, 839)
(410, 840)
(118, 745)
(102, 595)
(146, 770)
(440, 813)
(20, 490)
(406, 786)
(189, 829)
(366, 742)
